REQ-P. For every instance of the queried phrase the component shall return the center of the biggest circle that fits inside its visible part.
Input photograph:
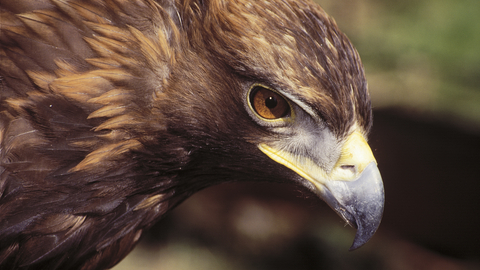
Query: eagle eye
(268, 104)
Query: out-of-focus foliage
(422, 54)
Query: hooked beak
(353, 188)
(358, 202)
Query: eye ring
(268, 104)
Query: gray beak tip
(359, 202)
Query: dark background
(422, 60)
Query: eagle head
(113, 112)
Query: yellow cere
(355, 156)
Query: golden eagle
(112, 112)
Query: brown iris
(268, 104)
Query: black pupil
(271, 102)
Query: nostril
(352, 168)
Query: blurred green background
(422, 55)
(422, 60)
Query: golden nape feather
(113, 112)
